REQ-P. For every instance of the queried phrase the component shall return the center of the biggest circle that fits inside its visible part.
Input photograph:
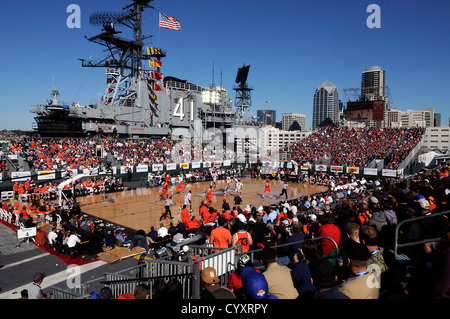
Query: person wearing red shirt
(329, 229)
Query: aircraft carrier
(139, 101)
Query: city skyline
(279, 43)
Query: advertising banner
(171, 166)
(44, 175)
(370, 171)
(142, 168)
(157, 167)
(354, 170)
(336, 169)
(389, 172)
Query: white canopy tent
(68, 181)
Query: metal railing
(420, 242)
(252, 252)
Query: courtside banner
(336, 169)
(321, 168)
(354, 170)
(226, 163)
(206, 164)
(184, 165)
(388, 172)
(370, 171)
(157, 167)
(125, 169)
(196, 164)
(142, 168)
(20, 176)
(171, 166)
(43, 175)
(306, 166)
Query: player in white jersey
(228, 183)
(214, 177)
(187, 199)
(239, 186)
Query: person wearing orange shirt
(185, 215)
(206, 215)
(209, 193)
(193, 225)
(227, 216)
(16, 189)
(180, 187)
(220, 236)
(164, 193)
(267, 189)
(243, 238)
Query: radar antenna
(243, 101)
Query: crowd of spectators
(292, 240)
(356, 147)
(412, 137)
(338, 145)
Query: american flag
(169, 22)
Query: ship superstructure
(139, 101)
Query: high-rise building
(411, 118)
(266, 117)
(326, 104)
(373, 84)
(290, 118)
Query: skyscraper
(290, 118)
(266, 117)
(373, 84)
(326, 104)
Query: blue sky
(292, 47)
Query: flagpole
(159, 29)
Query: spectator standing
(35, 290)
(242, 237)
(220, 236)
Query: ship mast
(123, 61)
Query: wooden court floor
(141, 208)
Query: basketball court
(141, 208)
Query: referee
(284, 190)
(168, 203)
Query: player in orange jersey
(209, 193)
(267, 189)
